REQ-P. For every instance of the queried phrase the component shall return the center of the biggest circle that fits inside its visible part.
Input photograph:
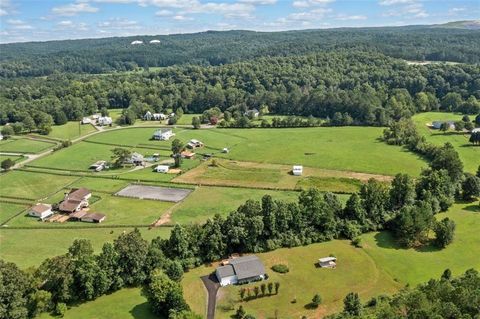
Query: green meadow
(469, 154)
(8, 210)
(24, 145)
(71, 130)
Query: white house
(75, 200)
(159, 116)
(162, 169)
(154, 41)
(104, 120)
(252, 113)
(193, 143)
(327, 262)
(86, 120)
(136, 42)
(475, 130)
(136, 159)
(163, 134)
(240, 270)
(297, 170)
(41, 211)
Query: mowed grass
(469, 154)
(31, 185)
(128, 303)
(24, 145)
(415, 266)
(207, 201)
(341, 148)
(355, 272)
(29, 247)
(8, 210)
(11, 157)
(71, 130)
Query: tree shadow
(310, 306)
(385, 239)
(428, 248)
(142, 311)
(475, 208)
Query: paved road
(212, 285)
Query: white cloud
(17, 24)
(3, 12)
(65, 23)
(180, 17)
(119, 24)
(412, 9)
(310, 3)
(164, 13)
(344, 17)
(259, 2)
(74, 9)
(394, 2)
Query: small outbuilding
(193, 143)
(104, 120)
(42, 211)
(327, 262)
(225, 150)
(297, 170)
(162, 168)
(86, 120)
(93, 218)
(187, 154)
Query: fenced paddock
(154, 192)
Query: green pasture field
(381, 266)
(29, 247)
(100, 184)
(24, 145)
(128, 303)
(207, 201)
(356, 149)
(12, 157)
(31, 185)
(71, 130)
(186, 119)
(81, 155)
(469, 154)
(8, 210)
(219, 172)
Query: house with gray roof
(240, 270)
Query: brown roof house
(41, 211)
(75, 200)
(93, 218)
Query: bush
(357, 242)
(7, 164)
(60, 309)
(280, 268)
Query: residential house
(162, 168)
(136, 159)
(327, 262)
(163, 134)
(297, 170)
(41, 211)
(98, 166)
(75, 200)
(438, 124)
(104, 120)
(194, 144)
(86, 120)
(241, 270)
(252, 113)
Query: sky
(41, 20)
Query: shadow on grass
(474, 207)
(311, 306)
(385, 239)
(142, 311)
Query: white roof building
(136, 42)
(297, 170)
(104, 120)
(162, 169)
(154, 41)
(327, 262)
(41, 211)
(163, 134)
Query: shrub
(60, 309)
(357, 242)
(280, 268)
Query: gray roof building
(241, 270)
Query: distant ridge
(466, 24)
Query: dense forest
(354, 88)
(217, 48)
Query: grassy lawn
(414, 266)
(29, 247)
(207, 201)
(274, 176)
(32, 185)
(127, 303)
(8, 210)
(186, 119)
(12, 157)
(470, 155)
(100, 184)
(338, 148)
(24, 145)
(71, 130)
(355, 272)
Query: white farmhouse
(41, 211)
(104, 120)
(163, 134)
(297, 170)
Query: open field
(274, 176)
(355, 149)
(29, 247)
(24, 145)
(127, 303)
(12, 157)
(8, 210)
(379, 267)
(31, 185)
(469, 154)
(71, 130)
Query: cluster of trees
(446, 297)
(319, 85)
(257, 291)
(216, 48)
(80, 275)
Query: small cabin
(327, 262)
(162, 168)
(297, 170)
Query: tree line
(320, 85)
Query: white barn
(162, 169)
(240, 270)
(297, 170)
(41, 211)
(163, 134)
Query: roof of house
(40, 208)
(247, 267)
(187, 153)
(162, 167)
(78, 214)
(225, 271)
(79, 193)
(327, 259)
(69, 205)
(297, 167)
(94, 216)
